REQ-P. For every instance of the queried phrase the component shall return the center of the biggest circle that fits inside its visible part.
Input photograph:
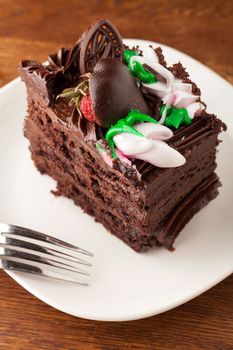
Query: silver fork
(36, 253)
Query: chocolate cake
(124, 135)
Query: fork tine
(42, 253)
(10, 265)
(38, 248)
(12, 251)
(42, 265)
(24, 232)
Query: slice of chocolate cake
(124, 135)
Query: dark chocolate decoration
(66, 61)
(158, 76)
(58, 61)
(47, 80)
(61, 71)
(102, 40)
(114, 92)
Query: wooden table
(202, 29)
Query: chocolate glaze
(114, 92)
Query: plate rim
(137, 315)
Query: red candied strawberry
(86, 108)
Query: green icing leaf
(136, 116)
(121, 126)
(176, 117)
(137, 68)
(144, 75)
(126, 125)
(128, 54)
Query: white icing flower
(173, 91)
(150, 148)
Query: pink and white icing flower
(150, 148)
(173, 91)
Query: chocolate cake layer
(162, 234)
(60, 151)
(82, 174)
(84, 98)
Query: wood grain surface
(32, 29)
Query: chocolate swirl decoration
(62, 70)
(46, 80)
(58, 61)
(66, 62)
(102, 40)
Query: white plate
(124, 285)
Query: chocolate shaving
(66, 63)
(102, 40)
(134, 48)
(154, 101)
(180, 73)
(100, 132)
(88, 129)
(129, 172)
(58, 61)
(159, 53)
(158, 76)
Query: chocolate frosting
(114, 92)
